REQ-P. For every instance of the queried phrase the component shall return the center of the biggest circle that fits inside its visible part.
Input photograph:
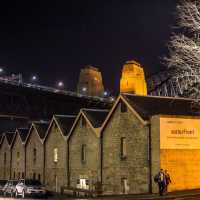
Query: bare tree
(184, 47)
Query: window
(39, 177)
(4, 158)
(14, 175)
(34, 155)
(123, 107)
(124, 185)
(55, 155)
(34, 176)
(22, 174)
(83, 122)
(83, 153)
(18, 155)
(18, 175)
(123, 148)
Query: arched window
(55, 155)
(34, 155)
(34, 176)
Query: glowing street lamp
(84, 89)
(105, 93)
(34, 78)
(1, 70)
(60, 84)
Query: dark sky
(54, 39)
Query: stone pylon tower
(90, 82)
(133, 79)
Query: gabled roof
(41, 128)
(95, 116)
(9, 136)
(23, 133)
(1, 138)
(144, 107)
(147, 106)
(64, 123)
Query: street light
(1, 70)
(84, 89)
(34, 78)
(105, 93)
(60, 84)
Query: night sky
(54, 39)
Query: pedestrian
(160, 180)
(167, 180)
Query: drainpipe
(24, 161)
(101, 160)
(43, 163)
(150, 159)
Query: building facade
(85, 149)
(125, 162)
(56, 155)
(119, 151)
(34, 146)
(5, 155)
(18, 154)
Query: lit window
(123, 107)
(55, 155)
(34, 155)
(123, 148)
(83, 153)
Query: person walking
(167, 180)
(160, 179)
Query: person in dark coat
(167, 179)
(161, 181)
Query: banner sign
(179, 133)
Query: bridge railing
(50, 89)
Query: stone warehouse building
(5, 154)
(18, 153)
(120, 150)
(56, 154)
(35, 152)
(85, 149)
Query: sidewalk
(172, 195)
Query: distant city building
(90, 82)
(133, 79)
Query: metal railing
(50, 89)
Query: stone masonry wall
(34, 166)
(90, 169)
(5, 167)
(55, 173)
(155, 150)
(18, 164)
(135, 167)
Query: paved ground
(184, 195)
